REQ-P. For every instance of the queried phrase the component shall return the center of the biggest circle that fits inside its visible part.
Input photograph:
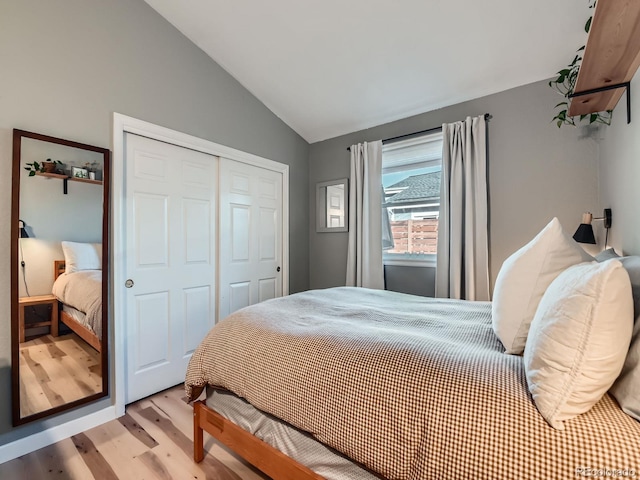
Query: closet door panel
(250, 235)
(171, 216)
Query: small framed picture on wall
(77, 172)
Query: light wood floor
(154, 440)
(55, 371)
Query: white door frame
(123, 124)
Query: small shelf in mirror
(86, 180)
(65, 178)
(61, 176)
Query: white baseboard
(42, 439)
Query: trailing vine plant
(565, 84)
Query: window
(411, 171)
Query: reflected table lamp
(23, 230)
(584, 233)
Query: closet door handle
(129, 283)
(278, 269)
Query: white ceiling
(330, 67)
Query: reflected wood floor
(57, 370)
(153, 440)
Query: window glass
(411, 176)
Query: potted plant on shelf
(48, 166)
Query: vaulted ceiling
(332, 67)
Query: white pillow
(523, 279)
(579, 339)
(81, 256)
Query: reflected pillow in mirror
(81, 256)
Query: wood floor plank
(59, 385)
(52, 348)
(61, 461)
(99, 467)
(154, 464)
(213, 467)
(55, 371)
(32, 398)
(21, 467)
(137, 431)
(175, 464)
(176, 436)
(42, 378)
(120, 449)
(173, 402)
(152, 441)
(173, 458)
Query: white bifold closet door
(250, 235)
(171, 195)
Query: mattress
(294, 443)
(75, 314)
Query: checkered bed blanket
(410, 387)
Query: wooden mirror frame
(18, 135)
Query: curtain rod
(487, 117)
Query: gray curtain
(364, 257)
(463, 246)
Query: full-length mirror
(59, 277)
(331, 206)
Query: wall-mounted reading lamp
(584, 233)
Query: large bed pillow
(578, 339)
(81, 256)
(523, 279)
(626, 388)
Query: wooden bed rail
(258, 453)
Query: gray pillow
(626, 388)
(607, 254)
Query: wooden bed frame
(258, 453)
(83, 332)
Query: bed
(403, 387)
(79, 297)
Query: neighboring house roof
(416, 187)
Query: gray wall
(67, 65)
(620, 175)
(414, 280)
(536, 172)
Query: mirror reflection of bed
(59, 283)
(73, 343)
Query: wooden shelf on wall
(611, 57)
(66, 178)
(52, 175)
(86, 180)
(62, 176)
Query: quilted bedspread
(410, 387)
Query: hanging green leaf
(587, 25)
